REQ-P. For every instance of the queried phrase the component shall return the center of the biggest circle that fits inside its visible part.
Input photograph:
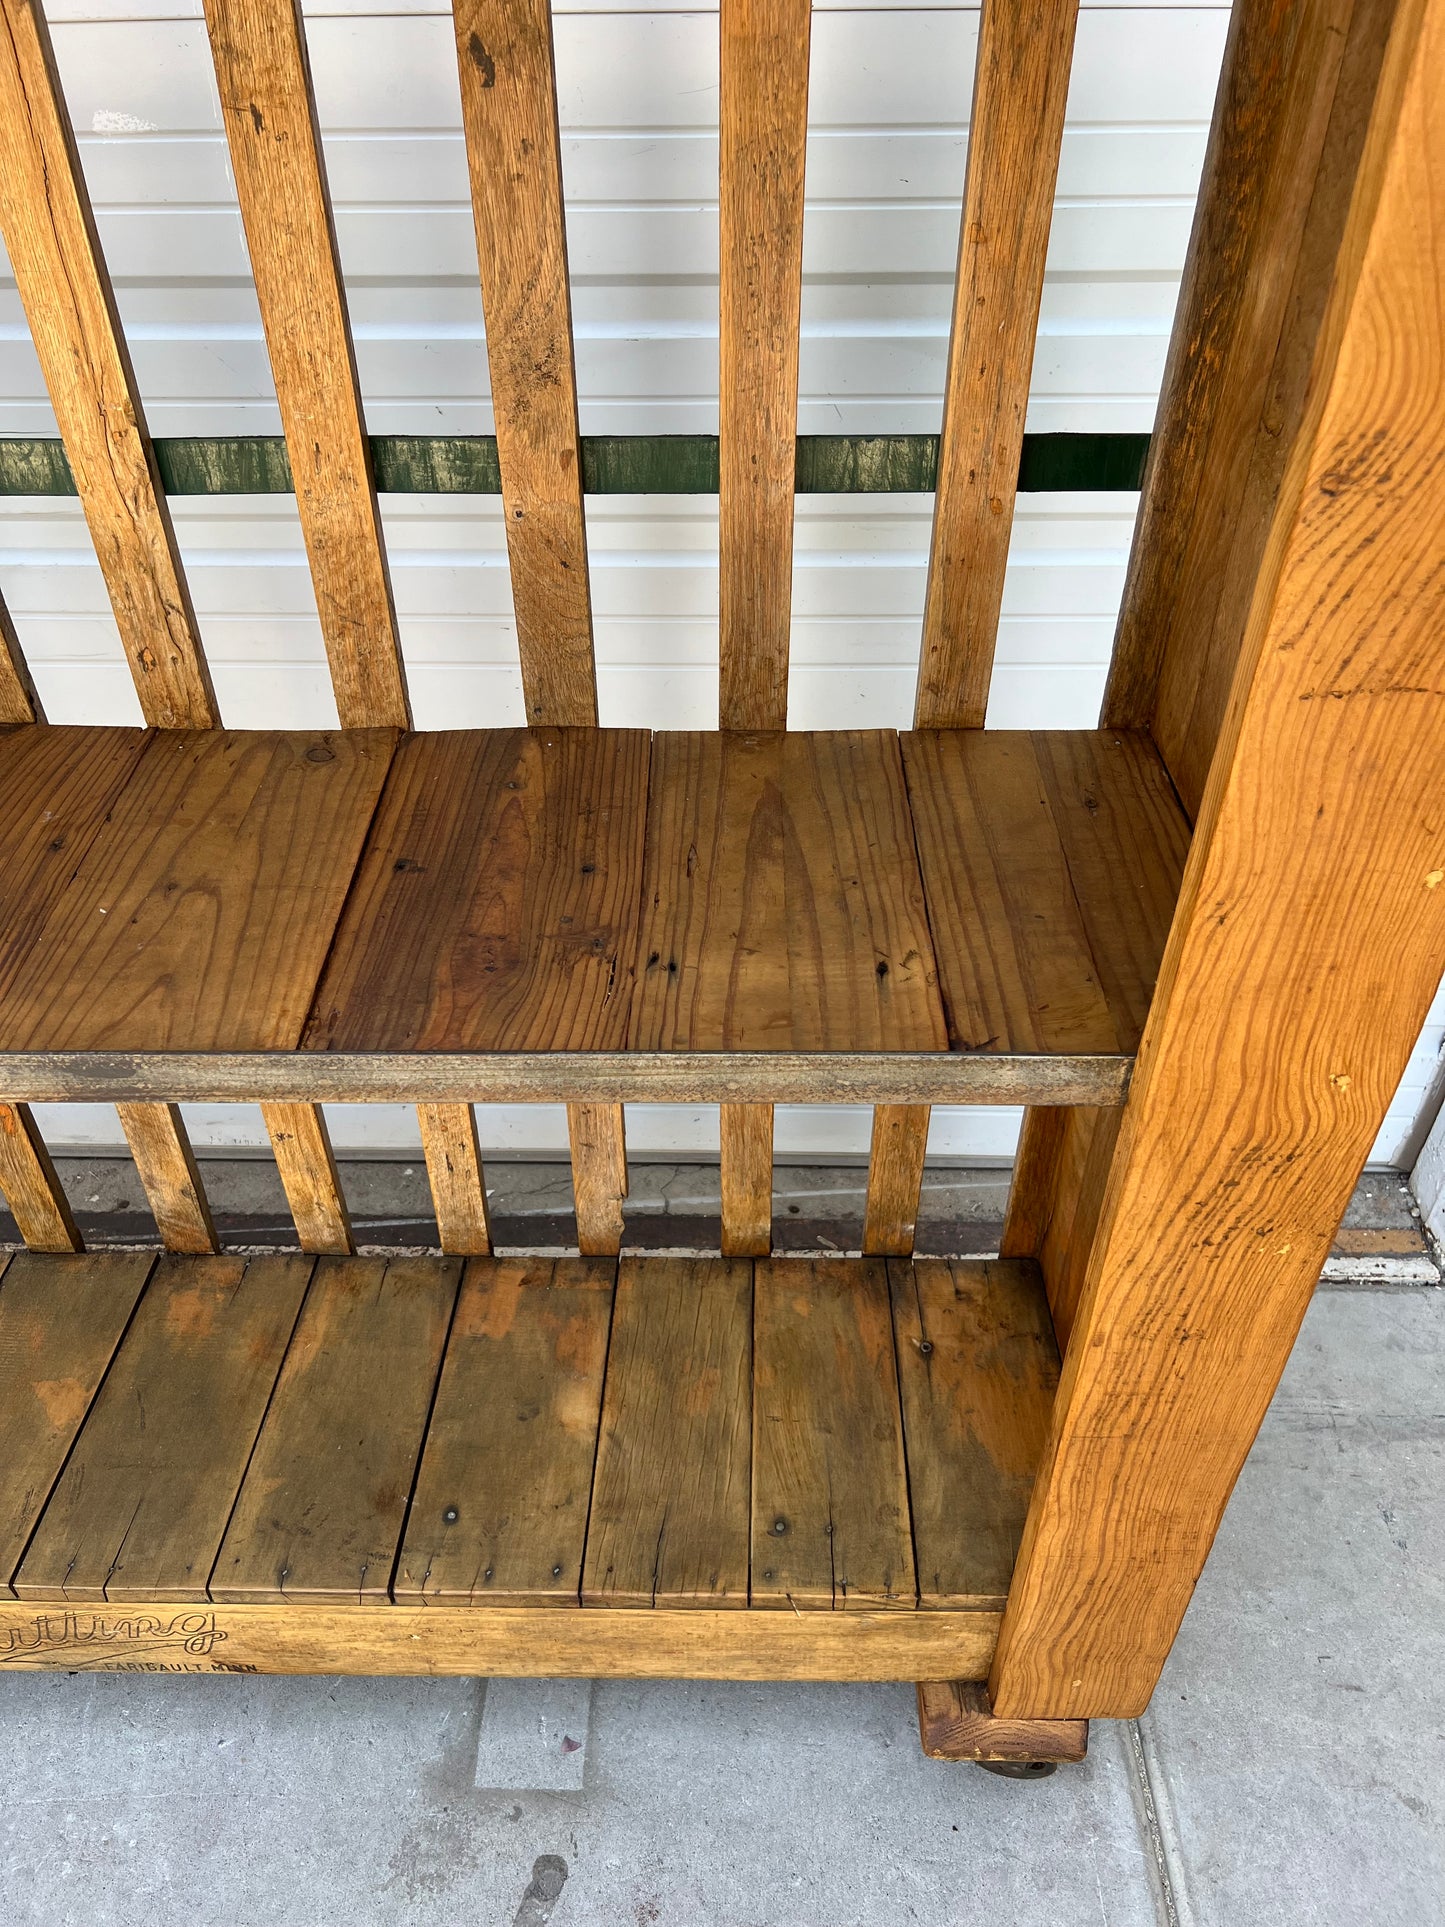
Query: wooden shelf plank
(264, 80)
(669, 1520)
(764, 135)
(55, 256)
(499, 1515)
(782, 904)
(978, 1369)
(830, 1485)
(201, 913)
(509, 113)
(319, 1515)
(1021, 82)
(142, 1505)
(60, 1322)
(496, 904)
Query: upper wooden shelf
(999, 895)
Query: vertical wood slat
(302, 1145)
(30, 1186)
(599, 1176)
(454, 1171)
(169, 1176)
(18, 700)
(269, 110)
(1307, 947)
(746, 1172)
(895, 1179)
(1290, 116)
(1020, 87)
(55, 256)
(764, 138)
(509, 113)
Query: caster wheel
(1019, 1769)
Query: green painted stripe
(611, 464)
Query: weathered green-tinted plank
(611, 464)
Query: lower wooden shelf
(788, 1468)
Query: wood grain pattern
(558, 1077)
(454, 1173)
(58, 785)
(30, 1187)
(746, 1169)
(142, 1504)
(499, 1515)
(1308, 944)
(895, 1178)
(1021, 82)
(200, 915)
(782, 905)
(830, 1488)
(669, 1522)
(269, 112)
(55, 256)
(1051, 863)
(496, 903)
(1291, 114)
(301, 1144)
(319, 1515)
(596, 1136)
(978, 1368)
(166, 1165)
(956, 1722)
(764, 132)
(509, 112)
(18, 700)
(515, 1642)
(60, 1322)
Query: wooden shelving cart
(1196, 942)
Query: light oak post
(599, 1176)
(169, 1176)
(895, 1179)
(55, 256)
(1309, 941)
(30, 1186)
(454, 1171)
(302, 1145)
(746, 1173)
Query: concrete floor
(1291, 1770)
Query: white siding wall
(889, 108)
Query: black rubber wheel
(1019, 1769)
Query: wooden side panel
(56, 260)
(163, 1157)
(764, 131)
(29, 1184)
(509, 111)
(259, 50)
(1309, 941)
(830, 1488)
(895, 1178)
(669, 1524)
(302, 1147)
(58, 784)
(60, 1322)
(978, 1368)
(499, 1515)
(1289, 121)
(1021, 83)
(782, 905)
(746, 1141)
(454, 1172)
(200, 916)
(496, 904)
(143, 1502)
(18, 700)
(598, 1142)
(320, 1513)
